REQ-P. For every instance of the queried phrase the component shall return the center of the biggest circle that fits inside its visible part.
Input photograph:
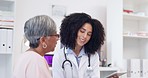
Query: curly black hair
(70, 27)
(97, 38)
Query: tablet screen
(116, 74)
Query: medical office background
(125, 23)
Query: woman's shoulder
(32, 56)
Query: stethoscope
(89, 68)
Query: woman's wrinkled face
(84, 35)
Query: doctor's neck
(77, 50)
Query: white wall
(26, 9)
(114, 33)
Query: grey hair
(38, 26)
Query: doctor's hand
(114, 76)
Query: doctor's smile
(84, 34)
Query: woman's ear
(42, 40)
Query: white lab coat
(78, 71)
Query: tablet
(116, 74)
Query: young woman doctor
(81, 37)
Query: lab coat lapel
(83, 60)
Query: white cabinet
(6, 37)
(135, 29)
(127, 32)
(135, 36)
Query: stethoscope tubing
(66, 60)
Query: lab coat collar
(84, 58)
(70, 51)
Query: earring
(44, 45)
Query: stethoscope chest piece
(89, 71)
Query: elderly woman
(42, 35)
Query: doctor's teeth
(82, 39)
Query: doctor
(81, 37)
